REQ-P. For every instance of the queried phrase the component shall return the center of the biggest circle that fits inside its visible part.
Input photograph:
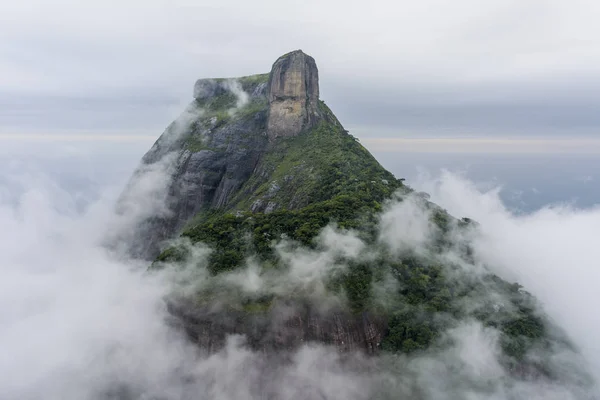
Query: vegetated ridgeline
(258, 167)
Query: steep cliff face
(258, 143)
(293, 93)
(207, 154)
(282, 327)
(258, 168)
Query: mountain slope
(302, 224)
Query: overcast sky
(387, 68)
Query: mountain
(259, 144)
(289, 231)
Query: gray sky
(387, 68)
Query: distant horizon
(418, 144)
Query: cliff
(257, 169)
(259, 143)
(293, 94)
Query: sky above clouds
(408, 68)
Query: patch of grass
(251, 82)
(195, 144)
(221, 102)
(252, 108)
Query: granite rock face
(283, 327)
(213, 155)
(293, 94)
(217, 144)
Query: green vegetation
(223, 101)
(256, 306)
(228, 233)
(219, 110)
(251, 82)
(252, 108)
(426, 303)
(323, 176)
(196, 144)
(318, 165)
(410, 330)
(172, 254)
(326, 176)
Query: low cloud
(81, 321)
(406, 225)
(552, 252)
(242, 97)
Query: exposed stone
(216, 157)
(207, 88)
(271, 206)
(260, 90)
(293, 94)
(201, 179)
(257, 205)
(273, 189)
(282, 327)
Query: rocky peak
(293, 93)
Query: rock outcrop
(283, 327)
(257, 168)
(204, 157)
(219, 142)
(293, 94)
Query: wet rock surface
(282, 327)
(293, 94)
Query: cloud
(77, 322)
(471, 367)
(406, 226)
(551, 252)
(236, 88)
(417, 32)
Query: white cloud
(75, 322)
(552, 252)
(406, 226)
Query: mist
(80, 320)
(552, 252)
